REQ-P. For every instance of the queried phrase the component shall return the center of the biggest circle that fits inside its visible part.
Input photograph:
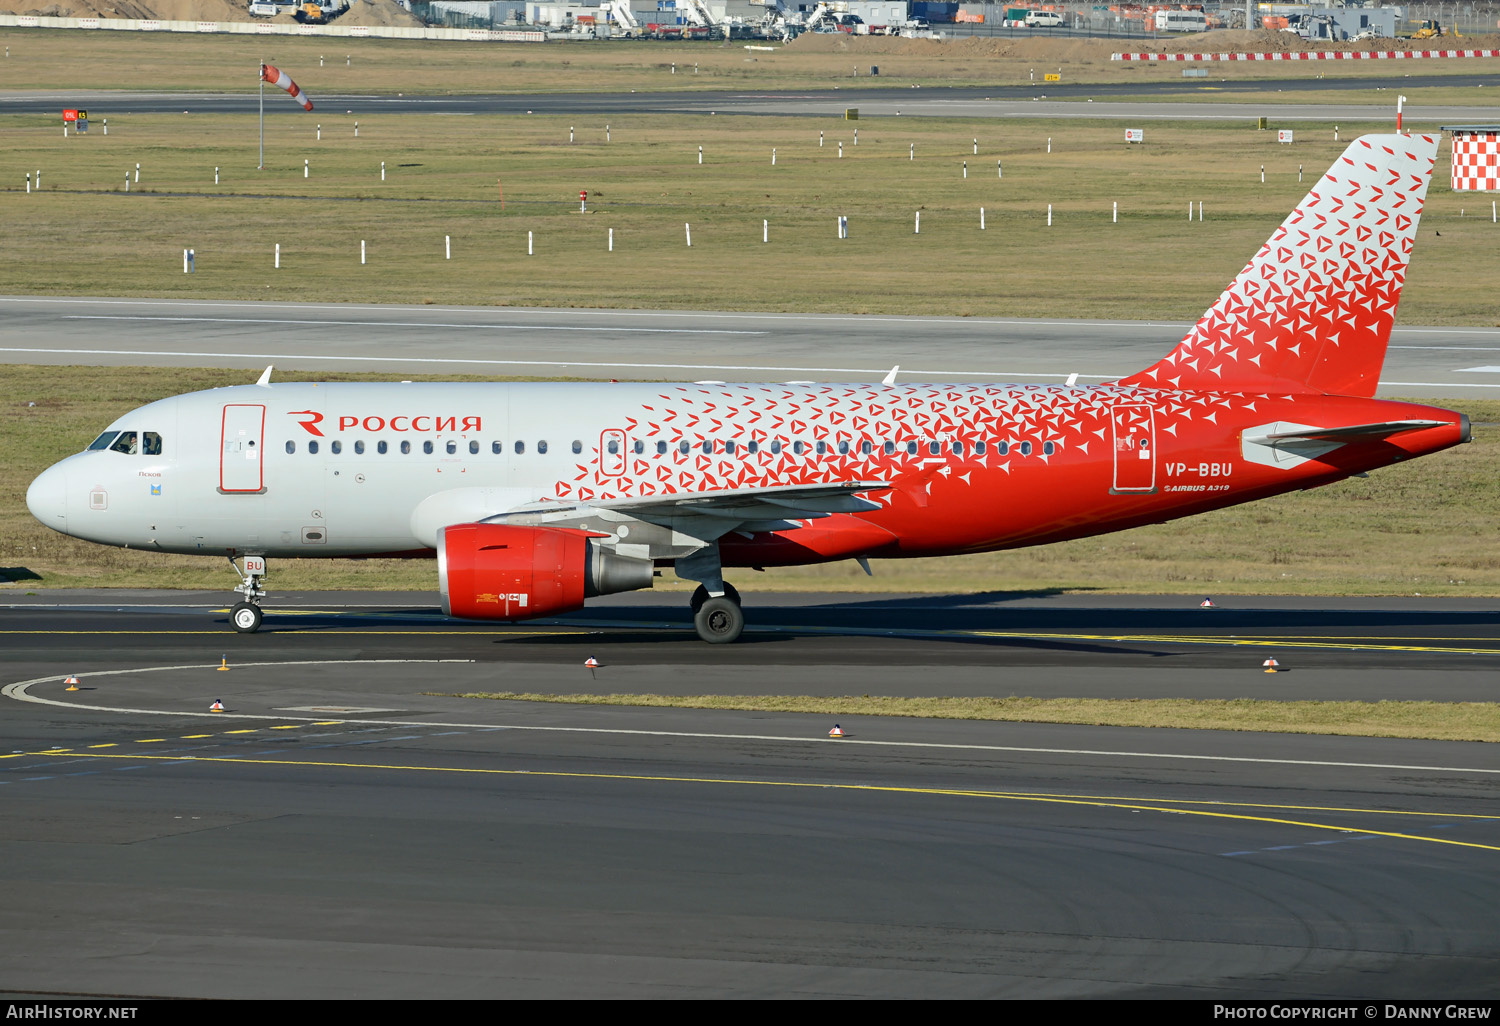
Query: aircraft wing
(738, 506)
(1353, 433)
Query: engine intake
(506, 572)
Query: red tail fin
(1313, 311)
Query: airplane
(535, 497)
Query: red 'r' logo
(310, 425)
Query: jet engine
(506, 572)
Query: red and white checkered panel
(1476, 160)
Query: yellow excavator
(311, 14)
(1429, 29)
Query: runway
(347, 828)
(1050, 100)
(301, 338)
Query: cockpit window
(151, 443)
(125, 443)
(102, 442)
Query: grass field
(1430, 526)
(445, 176)
(1437, 721)
(60, 60)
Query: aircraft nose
(47, 498)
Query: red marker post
(583, 201)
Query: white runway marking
(407, 324)
(18, 691)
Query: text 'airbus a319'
(534, 497)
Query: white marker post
(382, 170)
(184, 262)
(1115, 217)
(1200, 211)
(1263, 174)
(611, 240)
(1335, 133)
(216, 176)
(1299, 174)
(356, 130)
(700, 154)
(966, 170)
(65, 131)
(192, 262)
(1049, 215)
(999, 170)
(820, 139)
(528, 244)
(856, 137)
(913, 151)
(981, 219)
(1190, 210)
(689, 230)
(127, 182)
(918, 229)
(773, 156)
(320, 133)
(765, 231)
(278, 256)
(447, 247)
(138, 172)
(361, 251)
(1049, 144)
(28, 183)
(304, 169)
(570, 134)
(106, 126)
(841, 149)
(606, 133)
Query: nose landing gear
(246, 615)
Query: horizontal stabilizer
(1353, 433)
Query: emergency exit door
(1135, 449)
(240, 456)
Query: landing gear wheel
(719, 620)
(245, 617)
(701, 596)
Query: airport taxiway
(345, 827)
(1422, 362)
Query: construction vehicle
(1429, 29)
(311, 14)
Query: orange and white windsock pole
(281, 80)
(1399, 101)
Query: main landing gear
(246, 615)
(718, 619)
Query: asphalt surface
(1048, 100)
(345, 828)
(298, 338)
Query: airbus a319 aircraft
(535, 497)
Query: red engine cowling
(504, 572)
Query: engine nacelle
(505, 572)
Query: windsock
(281, 80)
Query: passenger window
(427, 448)
(151, 443)
(405, 448)
(911, 448)
(822, 448)
(640, 446)
(729, 447)
(577, 447)
(979, 448)
(473, 448)
(797, 448)
(1025, 448)
(520, 448)
(775, 446)
(958, 448)
(661, 448)
(1003, 448)
(496, 448)
(312, 447)
(890, 448)
(336, 447)
(359, 447)
(452, 448)
(1048, 448)
(933, 448)
(684, 447)
(541, 447)
(865, 447)
(752, 447)
(843, 448)
(102, 442)
(708, 446)
(613, 447)
(381, 447)
(125, 443)
(291, 447)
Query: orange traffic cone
(591, 663)
(218, 706)
(1272, 666)
(72, 683)
(1207, 603)
(223, 663)
(837, 731)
